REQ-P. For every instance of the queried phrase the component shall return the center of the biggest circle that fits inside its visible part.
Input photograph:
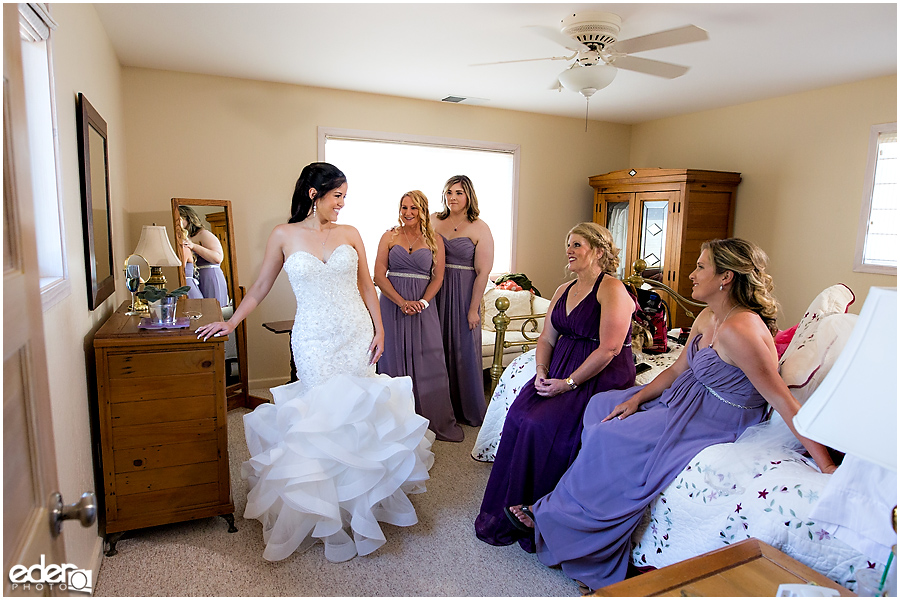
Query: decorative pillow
(833, 300)
(806, 365)
(520, 303)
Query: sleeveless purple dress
(212, 281)
(540, 435)
(194, 291)
(462, 346)
(413, 344)
(585, 524)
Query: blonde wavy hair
(751, 287)
(472, 211)
(599, 238)
(425, 227)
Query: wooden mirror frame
(237, 394)
(101, 283)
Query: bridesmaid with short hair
(469, 251)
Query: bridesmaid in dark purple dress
(409, 270)
(636, 441)
(469, 250)
(584, 348)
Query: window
(35, 27)
(876, 242)
(381, 167)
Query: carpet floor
(439, 556)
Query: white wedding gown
(341, 448)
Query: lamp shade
(156, 248)
(854, 409)
(587, 80)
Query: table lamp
(854, 409)
(157, 250)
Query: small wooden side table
(284, 327)
(748, 568)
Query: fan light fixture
(587, 80)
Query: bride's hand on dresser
(217, 329)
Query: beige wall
(802, 158)
(193, 136)
(83, 62)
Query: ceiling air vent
(454, 99)
(464, 100)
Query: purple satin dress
(212, 281)
(413, 344)
(462, 346)
(586, 523)
(540, 436)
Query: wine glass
(132, 283)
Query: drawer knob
(206, 364)
(138, 463)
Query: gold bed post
(501, 322)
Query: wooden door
(29, 455)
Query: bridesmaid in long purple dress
(636, 441)
(469, 248)
(584, 348)
(409, 270)
(209, 254)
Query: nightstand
(748, 568)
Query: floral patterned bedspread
(726, 494)
(708, 507)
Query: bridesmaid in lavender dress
(413, 344)
(584, 348)
(636, 441)
(187, 257)
(469, 249)
(209, 254)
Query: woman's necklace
(412, 243)
(719, 324)
(455, 227)
(577, 291)
(327, 233)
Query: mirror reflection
(204, 242)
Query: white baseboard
(96, 562)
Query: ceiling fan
(593, 38)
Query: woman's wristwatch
(571, 383)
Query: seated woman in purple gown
(409, 270)
(584, 348)
(469, 248)
(636, 441)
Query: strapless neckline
(324, 262)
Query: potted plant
(162, 303)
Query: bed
(731, 492)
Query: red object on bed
(783, 339)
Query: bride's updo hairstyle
(319, 176)
(599, 238)
(752, 286)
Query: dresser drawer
(161, 434)
(142, 507)
(162, 386)
(154, 480)
(162, 410)
(160, 363)
(155, 457)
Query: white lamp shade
(594, 78)
(156, 248)
(854, 409)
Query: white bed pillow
(520, 303)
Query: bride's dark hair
(320, 176)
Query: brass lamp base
(157, 279)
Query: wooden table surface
(748, 568)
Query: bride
(340, 449)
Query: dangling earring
(314, 208)
(721, 286)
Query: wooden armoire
(663, 216)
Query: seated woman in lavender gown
(636, 441)
(413, 344)
(469, 253)
(584, 348)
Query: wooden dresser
(163, 431)
(663, 216)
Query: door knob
(85, 510)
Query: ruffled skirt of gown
(329, 463)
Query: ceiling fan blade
(650, 67)
(662, 39)
(555, 35)
(506, 62)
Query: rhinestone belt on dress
(410, 275)
(716, 394)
